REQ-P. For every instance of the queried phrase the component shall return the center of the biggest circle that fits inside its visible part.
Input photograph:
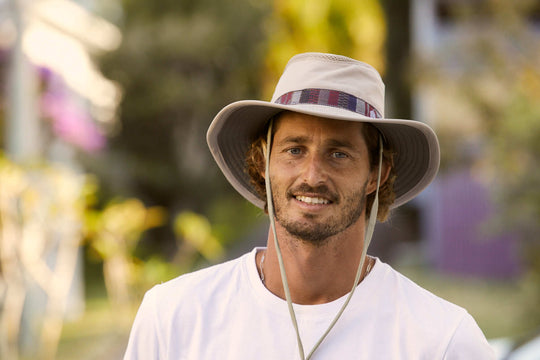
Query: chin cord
(367, 239)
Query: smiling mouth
(312, 200)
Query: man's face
(319, 172)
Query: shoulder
(185, 298)
(170, 311)
(424, 315)
(202, 282)
(415, 297)
(468, 342)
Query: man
(325, 163)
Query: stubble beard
(317, 233)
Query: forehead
(296, 124)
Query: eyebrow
(330, 142)
(340, 143)
(294, 140)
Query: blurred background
(107, 186)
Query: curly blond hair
(255, 162)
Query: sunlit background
(107, 186)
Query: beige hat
(329, 86)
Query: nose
(314, 171)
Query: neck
(316, 273)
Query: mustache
(320, 190)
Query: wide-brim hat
(334, 87)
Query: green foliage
(494, 91)
(179, 63)
(41, 210)
(232, 219)
(152, 271)
(197, 231)
(112, 234)
(118, 227)
(336, 26)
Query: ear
(372, 182)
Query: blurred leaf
(197, 231)
(336, 26)
(119, 226)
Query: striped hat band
(332, 98)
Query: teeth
(312, 200)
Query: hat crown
(332, 72)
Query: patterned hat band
(332, 98)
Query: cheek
(282, 166)
(280, 173)
(283, 176)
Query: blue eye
(294, 151)
(339, 155)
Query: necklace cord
(367, 239)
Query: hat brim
(233, 129)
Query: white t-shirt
(225, 312)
